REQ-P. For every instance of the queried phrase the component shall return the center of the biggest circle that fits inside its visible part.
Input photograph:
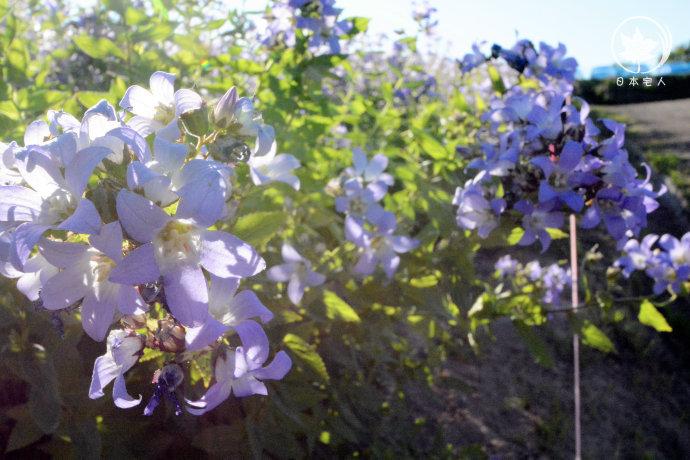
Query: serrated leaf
(307, 353)
(595, 338)
(338, 309)
(650, 316)
(98, 48)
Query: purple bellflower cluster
(667, 263)
(123, 214)
(551, 281)
(360, 189)
(316, 18)
(541, 157)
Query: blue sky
(585, 26)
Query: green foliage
(367, 354)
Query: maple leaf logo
(638, 48)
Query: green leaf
(595, 338)
(650, 316)
(258, 228)
(556, 233)
(424, 281)
(98, 48)
(337, 308)
(515, 236)
(430, 146)
(25, 431)
(496, 79)
(307, 353)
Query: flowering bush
(208, 268)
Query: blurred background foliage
(367, 355)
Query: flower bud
(224, 110)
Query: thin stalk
(576, 338)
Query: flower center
(164, 114)
(101, 266)
(57, 206)
(177, 242)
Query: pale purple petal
(84, 219)
(97, 315)
(280, 273)
(24, 238)
(40, 171)
(139, 101)
(62, 254)
(162, 86)
(105, 370)
(129, 302)
(202, 336)
(143, 125)
(290, 254)
(254, 346)
(64, 289)
(187, 294)
(375, 167)
(315, 279)
(121, 398)
(134, 140)
(138, 267)
(295, 289)
(246, 304)
(215, 395)
(225, 256)
(19, 204)
(221, 292)
(109, 241)
(248, 386)
(278, 368)
(79, 170)
(36, 133)
(140, 217)
(187, 100)
(403, 243)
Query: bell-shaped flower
(153, 108)
(535, 222)
(52, 198)
(545, 122)
(475, 211)
(370, 172)
(175, 249)
(227, 309)
(84, 272)
(379, 246)
(241, 372)
(558, 182)
(37, 271)
(297, 272)
(268, 167)
(123, 351)
(357, 200)
(637, 254)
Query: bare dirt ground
(636, 402)
(663, 126)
